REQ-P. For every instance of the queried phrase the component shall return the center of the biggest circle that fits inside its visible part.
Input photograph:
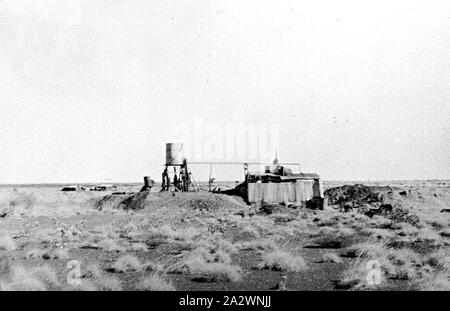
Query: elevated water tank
(174, 154)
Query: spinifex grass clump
(210, 265)
(279, 260)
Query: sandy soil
(204, 241)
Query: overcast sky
(90, 89)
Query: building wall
(298, 192)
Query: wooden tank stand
(181, 181)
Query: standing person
(165, 180)
(175, 178)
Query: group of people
(181, 178)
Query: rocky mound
(356, 195)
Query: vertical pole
(210, 176)
(186, 175)
(168, 178)
(163, 179)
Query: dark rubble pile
(356, 195)
(132, 201)
(372, 200)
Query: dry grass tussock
(7, 243)
(217, 242)
(210, 265)
(405, 229)
(434, 272)
(371, 247)
(404, 263)
(282, 232)
(110, 245)
(262, 245)
(378, 233)
(138, 247)
(429, 235)
(155, 282)
(379, 221)
(29, 279)
(127, 263)
(434, 282)
(279, 260)
(167, 234)
(355, 277)
(331, 258)
(95, 279)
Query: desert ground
(206, 241)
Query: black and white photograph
(250, 148)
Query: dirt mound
(356, 195)
(209, 202)
(203, 201)
(133, 201)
